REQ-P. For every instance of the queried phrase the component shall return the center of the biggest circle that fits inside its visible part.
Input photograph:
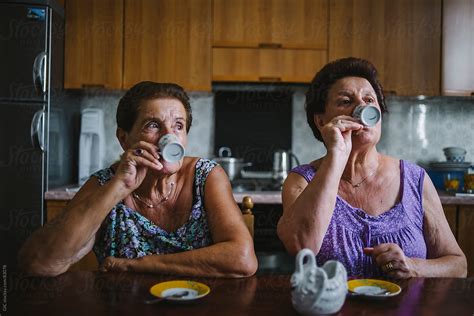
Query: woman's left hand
(115, 264)
(392, 260)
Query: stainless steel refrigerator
(31, 76)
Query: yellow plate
(195, 290)
(373, 288)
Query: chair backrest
(247, 205)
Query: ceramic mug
(368, 115)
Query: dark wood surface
(95, 293)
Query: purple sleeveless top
(351, 229)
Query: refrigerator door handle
(36, 130)
(39, 73)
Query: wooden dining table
(123, 293)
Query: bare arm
(231, 255)
(70, 236)
(51, 249)
(308, 207)
(445, 258)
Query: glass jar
(452, 181)
(469, 182)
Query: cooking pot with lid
(231, 165)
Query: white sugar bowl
(454, 154)
(317, 290)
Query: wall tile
(414, 129)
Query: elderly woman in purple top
(379, 216)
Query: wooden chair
(89, 261)
(247, 205)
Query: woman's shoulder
(197, 163)
(307, 171)
(198, 168)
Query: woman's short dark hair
(317, 94)
(129, 104)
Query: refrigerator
(31, 79)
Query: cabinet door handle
(269, 45)
(270, 79)
(92, 86)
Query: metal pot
(231, 165)
(282, 164)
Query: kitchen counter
(258, 197)
(449, 199)
(261, 197)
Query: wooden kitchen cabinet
(465, 239)
(270, 23)
(266, 65)
(168, 41)
(450, 211)
(93, 44)
(401, 38)
(89, 261)
(461, 221)
(458, 47)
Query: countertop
(258, 197)
(261, 197)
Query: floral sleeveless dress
(125, 233)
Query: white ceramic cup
(368, 115)
(171, 148)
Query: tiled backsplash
(200, 138)
(414, 129)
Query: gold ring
(388, 267)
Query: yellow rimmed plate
(195, 290)
(373, 288)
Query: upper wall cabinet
(401, 38)
(93, 44)
(270, 23)
(266, 64)
(168, 41)
(458, 47)
(269, 40)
